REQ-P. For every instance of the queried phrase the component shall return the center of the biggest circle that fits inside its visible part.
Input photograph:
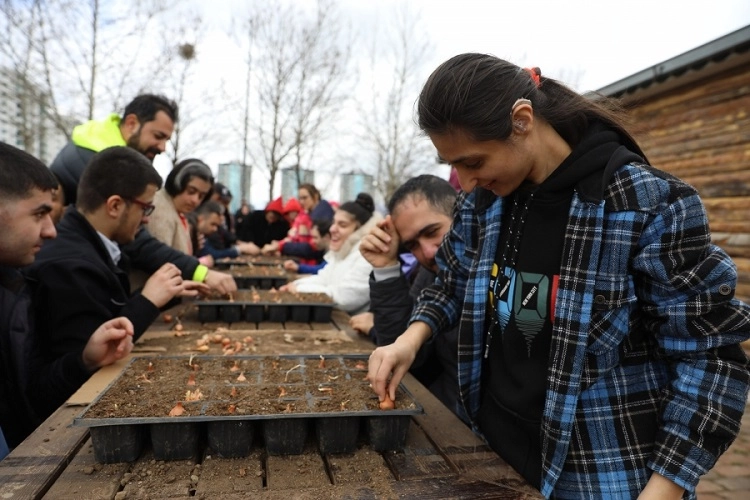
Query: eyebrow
(460, 159)
(422, 231)
(43, 209)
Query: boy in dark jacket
(26, 187)
(81, 278)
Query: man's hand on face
(380, 246)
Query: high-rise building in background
(289, 184)
(230, 174)
(23, 122)
(354, 183)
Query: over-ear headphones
(184, 171)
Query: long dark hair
(474, 93)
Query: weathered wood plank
(85, 478)
(220, 477)
(419, 459)
(35, 464)
(463, 449)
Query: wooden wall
(700, 133)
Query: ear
(522, 118)
(129, 126)
(115, 205)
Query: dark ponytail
(362, 208)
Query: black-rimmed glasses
(148, 208)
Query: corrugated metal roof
(725, 52)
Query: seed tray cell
(234, 404)
(256, 305)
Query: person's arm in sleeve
(687, 290)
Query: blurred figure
(225, 237)
(321, 239)
(312, 203)
(264, 226)
(345, 276)
(204, 222)
(58, 203)
(300, 235)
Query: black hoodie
(531, 243)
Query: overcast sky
(587, 44)
(601, 41)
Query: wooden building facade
(691, 115)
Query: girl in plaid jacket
(598, 345)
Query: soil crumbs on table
(362, 474)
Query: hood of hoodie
(98, 135)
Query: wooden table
(442, 457)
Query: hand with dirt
(113, 340)
(221, 282)
(362, 322)
(388, 364)
(380, 246)
(163, 285)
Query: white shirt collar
(112, 248)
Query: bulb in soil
(177, 410)
(387, 403)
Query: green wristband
(200, 273)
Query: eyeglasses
(148, 208)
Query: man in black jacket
(420, 215)
(81, 278)
(26, 187)
(146, 126)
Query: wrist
(387, 272)
(200, 273)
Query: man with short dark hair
(26, 187)
(146, 125)
(420, 216)
(81, 278)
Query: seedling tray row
(280, 403)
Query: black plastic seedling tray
(260, 260)
(310, 408)
(242, 308)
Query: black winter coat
(22, 370)
(76, 288)
(146, 253)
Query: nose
(48, 228)
(465, 180)
(162, 145)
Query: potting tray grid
(306, 387)
(256, 305)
